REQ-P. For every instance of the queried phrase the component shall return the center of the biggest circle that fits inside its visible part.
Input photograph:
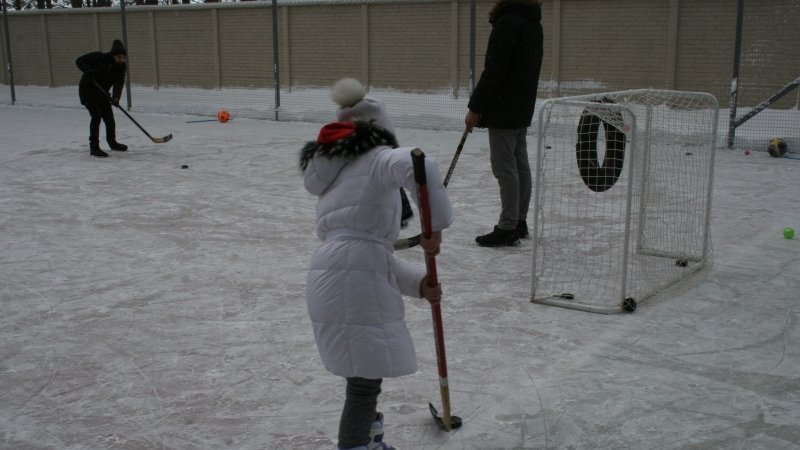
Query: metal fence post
(472, 24)
(124, 19)
(737, 56)
(10, 67)
(275, 58)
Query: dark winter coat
(99, 67)
(505, 95)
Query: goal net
(622, 197)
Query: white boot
(376, 435)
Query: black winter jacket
(99, 67)
(505, 95)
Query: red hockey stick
(446, 422)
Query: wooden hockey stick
(447, 422)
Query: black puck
(184, 166)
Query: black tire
(597, 177)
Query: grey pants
(508, 153)
(359, 411)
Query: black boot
(499, 238)
(522, 229)
(114, 145)
(94, 150)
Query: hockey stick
(446, 422)
(157, 140)
(413, 241)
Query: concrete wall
(409, 45)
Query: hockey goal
(622, 197)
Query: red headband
(335, 131)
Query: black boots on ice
(114, 145)
(94, 150)
(499, 238)
(522, 229)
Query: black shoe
(522, 229)
(114, 145)
(95, 151)
(499, 238)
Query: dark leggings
(359, 411)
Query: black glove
(115, 101)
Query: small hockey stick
(447, 422)
(413, 241)
(157, 140)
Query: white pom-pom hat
(349, 94)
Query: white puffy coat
(354, 285)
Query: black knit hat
(118, 48)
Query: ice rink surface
(145, 306)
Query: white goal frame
(609, 235)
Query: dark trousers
(101, 111)
(360, 410)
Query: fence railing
(277, 59)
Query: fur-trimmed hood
(529, 9)
(321, 162)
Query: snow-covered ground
(147, 306)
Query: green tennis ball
(788, 233)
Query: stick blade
(455, 421)
(161, 140)
(402, 244)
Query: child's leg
(359, 412)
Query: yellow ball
(223, 115)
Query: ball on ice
(777, 148)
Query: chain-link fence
(276, 60)
(768, 76)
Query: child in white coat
(354, 286)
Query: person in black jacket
(503, 101)
(101, 72)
